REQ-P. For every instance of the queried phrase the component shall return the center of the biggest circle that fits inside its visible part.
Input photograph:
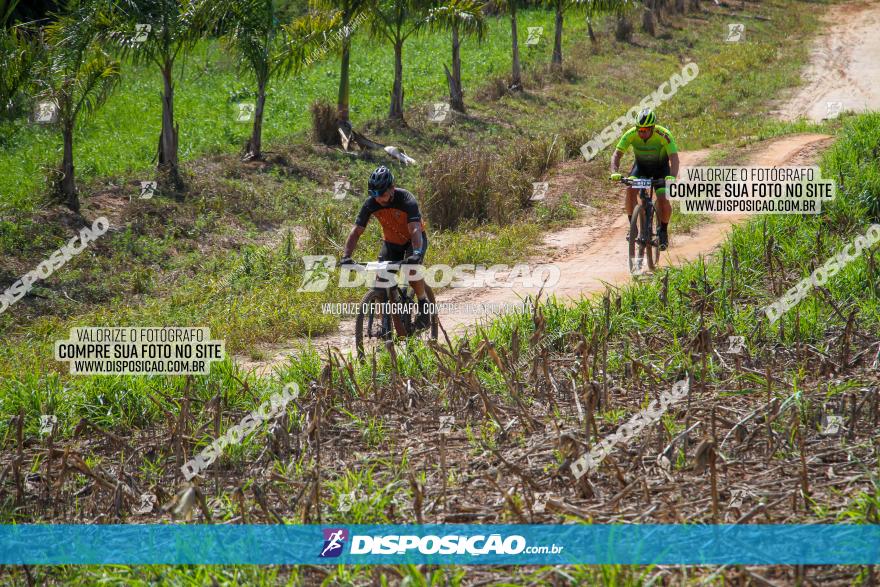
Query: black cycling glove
(415, 258)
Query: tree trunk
(623, 32)
(456, 95)
(396, 110)
(516, 74)
(590, 30)
(168, 164)
(557, 42)
(657, 7)
(695, 5)
(648, 21)
(68, 183)
(342, 100)
(255, 145)
(680, 6)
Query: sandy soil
(589, 256)
(599, 254)
(844, 70)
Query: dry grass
(324, 129)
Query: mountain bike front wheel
(642, 234)
(372, 325)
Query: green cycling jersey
(655, 151)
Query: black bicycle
(389, 309)
(645, 224)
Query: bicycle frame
(646, 195)
(383, 268)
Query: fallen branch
(349, 136)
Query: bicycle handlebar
(633, 180)
(372, 265)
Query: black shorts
(659, 171)
(395, 253)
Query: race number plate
(642, 183)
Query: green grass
(150, 274)
(257, 301)
(121, 138)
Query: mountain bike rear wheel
(652, 232)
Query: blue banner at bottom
(459, 544)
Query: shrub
(535, 157)
(459, 184)
(324, 128)
(495, 89)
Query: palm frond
(78, 74)
(597, 7)
(396, 20)
(303, 37)
(20, 52)
(95, 82)
(347, 8)
(7, 7)
(467, 15)
(175, 27)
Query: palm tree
(348, 13)
(396, 21)
(174, 28)
(463, 17)
(7, 7)
(516, 68)
(596, 8)
(265, 47)
(78, 77)
(559, 7)
(649, 17)
(20, 51)
(592, 8)
(621, 10)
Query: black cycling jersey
(394, 217)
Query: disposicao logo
(334, 541)
(444, 545)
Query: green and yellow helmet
(646, 118)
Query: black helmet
(380, 181)
(647, 118)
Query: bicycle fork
(392, 322)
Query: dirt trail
(844, 70)
(604, 259)
(589, 256)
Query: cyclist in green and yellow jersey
(656, 157)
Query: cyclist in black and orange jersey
(403, 230)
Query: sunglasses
(645, 128)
